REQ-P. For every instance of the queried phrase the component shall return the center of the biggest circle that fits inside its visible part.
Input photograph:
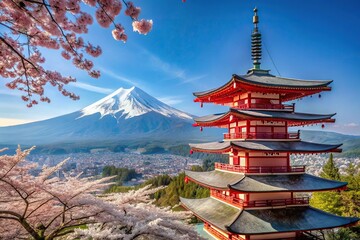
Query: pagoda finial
(256, 42)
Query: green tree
(352, 177)
(177, 188)
(330, 171)
(344, 203)
(341, 234)
(197, 168)
(327, 201)
(122, 174)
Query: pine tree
(328, 201)
(330, 171)
(344, 203)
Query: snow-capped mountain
(132, 102)
(124, 114)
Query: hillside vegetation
(344, 203)
(176, 188)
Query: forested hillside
(121, 174)
(343, 203)
(176, 187)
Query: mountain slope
(124, 114)
(351, 143)
(132, 102)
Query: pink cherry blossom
(119, 33)
(26, 26)
(66, 55)
(46, 206)
(132, 11)
(143, 26)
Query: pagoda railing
(260, 169)
(215, 233)
(259, 203)
(289, 107)
(277, 202)
(262, 135)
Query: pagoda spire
(256, 42)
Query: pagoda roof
(265, 78)
(265, 146)
(272, 115)
(262, 79)
(215, 179)
(263, 183)
(263, 221)
(212, 211)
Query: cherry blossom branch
(27, 12)
(22, 221)
(66, 209)
(16, 215)
(26, 78)
(40, 3)
(17, 53)
(48, 24)
(15, 30)
(38, 207)
(66, 225)
(15, 188)
(60, 28)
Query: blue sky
(198, 45)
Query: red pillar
(247, 160)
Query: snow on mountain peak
(128, 103)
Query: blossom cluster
(60, 25)
(45, 206)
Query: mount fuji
(126, 114)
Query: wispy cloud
(171, 100)
(192, 79)
(170, 69)
(117, 76)
(13, 121)
(351, 125)
(346, 128)
(92, 88)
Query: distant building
(257, 194)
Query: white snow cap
(130, 103)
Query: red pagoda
(258, 194)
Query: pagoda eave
(285, 183)
(238, 85)
(218, 180)
(244, 183)
(229, 150)
(234, 115)
(187, 178)
(300, 123)
(215, 218)
(263, 221)
(268, 221)
(284, 190)
(297, 147)
(223, 123)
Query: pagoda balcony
(259, 203)
(215, 233)
(260, 169)
(262, 135)
(290, 107)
